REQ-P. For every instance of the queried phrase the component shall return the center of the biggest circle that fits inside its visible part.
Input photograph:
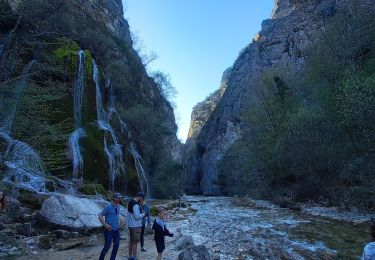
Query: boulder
(184, 242)
(71, 212)
(195, 253)
(25, 230)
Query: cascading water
(142, 176)
(140, 170)
(8, 120)
(112, 148)
(78, 132)
(24, 165)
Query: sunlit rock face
(283, 41)
(199, 116)
(110, 13)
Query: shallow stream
(236, 228)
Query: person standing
(109, 217)
(146, 220)
(160, 229)
(134, 222)
(369, 250)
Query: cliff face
(283, 40)
(200, 115)
(119, 103)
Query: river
(237, 228)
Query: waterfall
(112, 147)
(8, 121)
(78, 132)
(24, 165)
(140, 170)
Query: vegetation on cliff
(310, 135)
(52, 32)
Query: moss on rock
(92, 189)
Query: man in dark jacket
(160, 229)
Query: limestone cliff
(120, 103)
(283, 40)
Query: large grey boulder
(184, 242)
(71, 212)
(195, 253)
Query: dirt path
(86, 253)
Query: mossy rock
(31, 200)
(92, 189)
(67, 53)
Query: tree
(164, 85)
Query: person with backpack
(134, 222)
(109, 217)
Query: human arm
(137, 212)
(101, 219)
(166, 231)
(148, 219)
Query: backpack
(131, 205)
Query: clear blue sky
(196, 40)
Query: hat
(117, 195)
(141, 194)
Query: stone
(184, 242)
(72, 213)
(93, 241)
(74, 234)
(25, 230)
(195, 253)
(69, 244)
(45, 242)
(60, 233)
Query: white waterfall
(78, 132)
(112, 147)
(140, 169)
(24, 165)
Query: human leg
(107, 244)
(116, 243)
(142, 237)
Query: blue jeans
(108, 236)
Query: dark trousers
(142, 236)
(108, 237)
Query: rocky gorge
(285, 143)
(263, 136)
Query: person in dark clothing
(160, 231)
(146, 220)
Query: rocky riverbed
(230, 228)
